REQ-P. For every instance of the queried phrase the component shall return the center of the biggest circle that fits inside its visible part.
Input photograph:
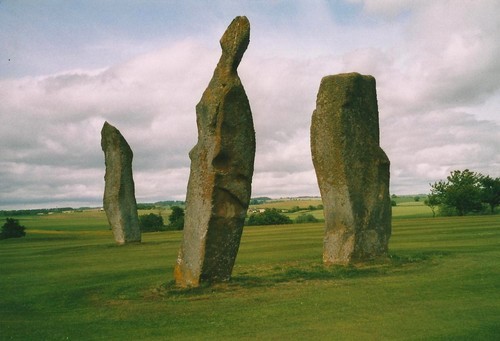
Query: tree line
(36, 211)
(273, 216)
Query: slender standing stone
(352, 169)
(119, 193)
(222, 164)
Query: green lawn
(412, 209)
(67, 280)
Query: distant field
(406, 207)
(411, 210)
(288, 204)
(68, 280)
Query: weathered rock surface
(352, 169)
(119, 192)
(222, 165)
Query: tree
(151, 222)
(460, 192)
(305, 218)
(433, 202)
(12, 229)
(176, 218)
(490, 191)
(270, 216)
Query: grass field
(67, 280)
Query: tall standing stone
(119, 193)
(352, 169)
(222, 165)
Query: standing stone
(119, 194)
(352, 169)
(222, 164)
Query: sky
(66, 67)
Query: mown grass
(407, 210)
(68, 280)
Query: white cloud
(55, 121)
(284, 184)
(389, 9)
(436, 66)
(427, 146)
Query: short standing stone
(352, 169)
(119, 193)
(222, 165)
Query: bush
(12, 229)
(269, 217)
(176, 218)
(305, 218)
(151, 222)
(394, 203)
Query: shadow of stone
(308, 272)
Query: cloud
(48, 183)
(52, 123)
(436, 67)
(429, 146)
(437, 89)
(389, 9)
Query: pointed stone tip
(235, 40)
(107, 132)
(106, 127)
(240, 20)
